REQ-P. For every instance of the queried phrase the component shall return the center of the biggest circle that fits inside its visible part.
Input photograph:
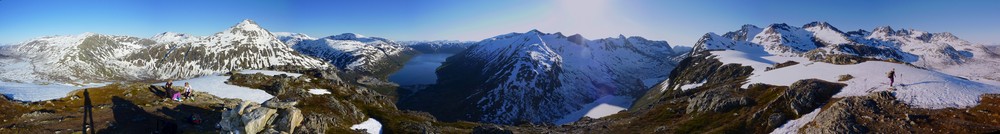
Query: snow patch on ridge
(319, 91)
(371, 126)
(793, 126)
(269, 72)
(601, 107)
(37, 92)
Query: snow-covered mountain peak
(167, 37)
(946, 36)
(746, 33)
(777, 26)
(292, 38)
(782, 38)
(712, 41)
(826, 33)
(530, 33)
(292, 35)
(882, 31)
(248, 24)
(560, 34)
(817, 24)
(350, 51)
(60, 40)
(246, 28)
(246, 32)
(359, 38)
(577, 38)
(169, 34)
(638, 38)
(534, 31)
(820, 25)
(347, 36)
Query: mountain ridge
(91, 57)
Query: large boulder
(250, 118)
(255, 121)
(289, 120)
(280, 104)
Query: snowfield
(371, 126)
(216, 85)
(601, 107)
(918, 87)
(269, 72)
(36, 92)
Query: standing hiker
(892, 76)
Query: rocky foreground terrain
(140, 107)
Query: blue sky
(678, 22)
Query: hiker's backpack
(195, 119)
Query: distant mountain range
(353, 52)
(440, 46)
(540, 77)
(940, 51)
(92, 57)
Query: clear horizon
(679, 23)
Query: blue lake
(419, 70)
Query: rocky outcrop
(881, 112)
(806, 95)
(274, 116)
(329, 73)
(703, 68)
(840, 117)
(717, 100)
(490, 129)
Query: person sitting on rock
(174, 95)
(188, 91)
(169, 87)
(169, 84)
(177, 96)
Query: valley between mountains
(779, 78)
